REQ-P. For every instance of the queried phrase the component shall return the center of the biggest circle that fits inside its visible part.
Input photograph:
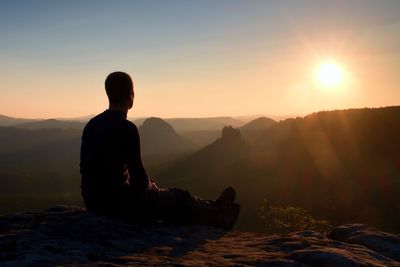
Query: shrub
(284, 219)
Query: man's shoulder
(94, 120)
(130, 125)
(112, 121)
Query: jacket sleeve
(139, 179)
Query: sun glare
(329, 74)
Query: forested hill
(340, 165)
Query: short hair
(118, 86)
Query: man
(114, 181)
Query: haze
(197, 58)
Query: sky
(197, 58)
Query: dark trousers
(172, 205)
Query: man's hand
(152, 184)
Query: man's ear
(130, 104)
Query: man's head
(119, 89)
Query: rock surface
(65, 236)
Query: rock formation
(228, 132)
(63, 235)
(158, 137)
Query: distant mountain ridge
(50, 123)
(159, 137)
(179, 124)
(8, 121)
(258, 124)
(251, 128)
(198, 124)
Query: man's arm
(139, 179)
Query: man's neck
(119, 108)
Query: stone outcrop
(63, 235)
(381, 242)
(230, 133)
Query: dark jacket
(110, 158)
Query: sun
(329, 74)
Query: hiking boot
(229, 216)
(227, 197)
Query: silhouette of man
(115, 183)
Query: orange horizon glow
(55, 59)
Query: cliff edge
(65, 235)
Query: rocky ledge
(66, 236)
